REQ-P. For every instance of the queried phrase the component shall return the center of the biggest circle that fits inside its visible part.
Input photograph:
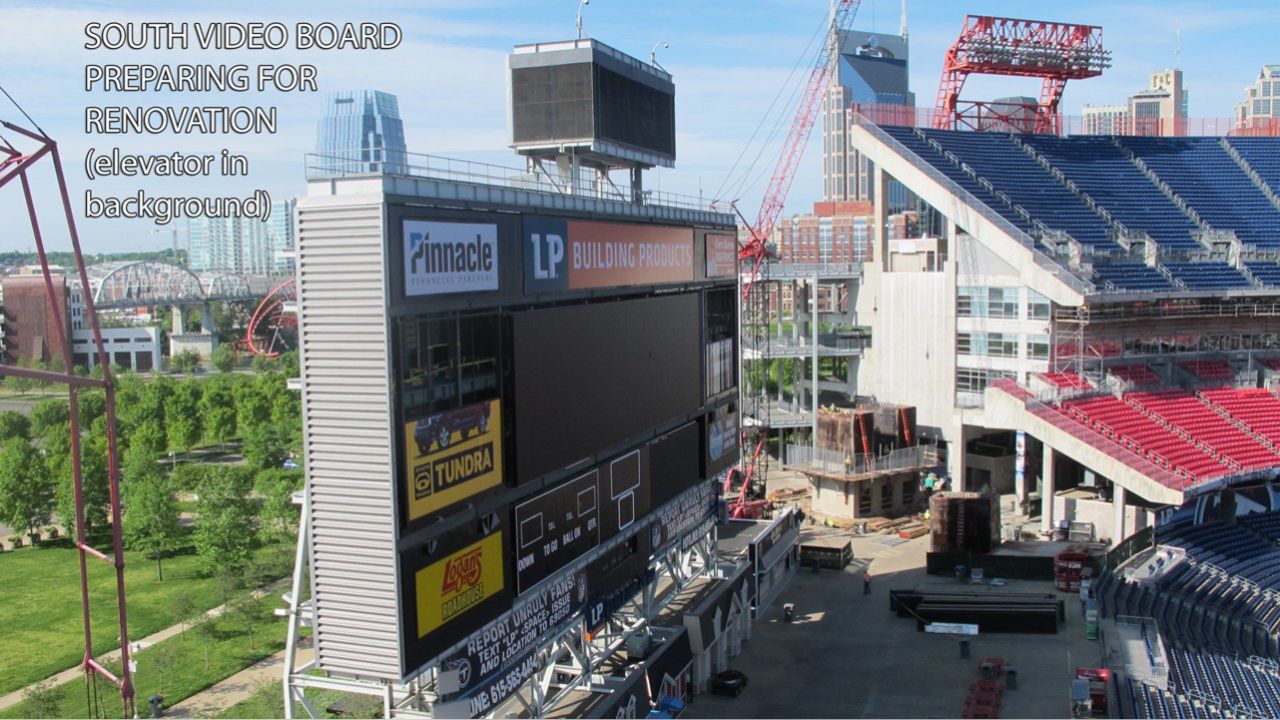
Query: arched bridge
(148, 282)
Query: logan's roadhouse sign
(451, 456)
(563, 254)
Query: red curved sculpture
(270, 315)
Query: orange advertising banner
(612, 254)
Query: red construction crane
(756, 249)
(1056, 52)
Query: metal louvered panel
(342, 328)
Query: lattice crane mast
(1054, 51)
(756, 250)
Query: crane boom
(784, 171)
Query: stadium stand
(1101, 170)
(1208, 276)
(1136, 374)
(1261, 155)
(1200, 171)
(1266, 272)
(1183, 410)
(1066, 381)
(1131, 276)
(1258, 409)
(1114, 418)
(1001, 162)
(1209, 369)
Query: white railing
(835, 463)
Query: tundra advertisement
(446, 257)
(451, 456)
(579, 254)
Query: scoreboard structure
(515, 407)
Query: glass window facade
(360, 132)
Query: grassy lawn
(268, 702)
(40, 606)
(185, 674)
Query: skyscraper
(872, 70)
(1161, 109)
(243, 245)
(360, 132)
(1261, 104)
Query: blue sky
(729, 58)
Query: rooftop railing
(370, 163)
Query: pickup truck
(438, 429)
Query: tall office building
(1159, 110)
(1262, 99)
(245, 246)
(872, 69)
(360, 132)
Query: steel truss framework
(148, 282)
(1054, 52)
(567, 662)
(14, 164)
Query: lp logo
(548, 253)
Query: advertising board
(675, 522)
(588, 377)
(614, 578)
(720, 432)
(452, 456)
(562, 254)
(493, 658)
(449, 257)
(556, 527)
(451, 588)
(721, 255)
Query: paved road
(76, 672)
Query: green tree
(92, 405)
(289, 364)
(151, 510)
(276, 488)
(182, 412)
(26, 495)
(225, 519)
(249, 611)
(188, 478)
(187, 361)
(265, 446)
(253, 406)
(49, 414)
(14, 425)
(218, 408)
(184, 608)
(223, 358)
(93, 467)
(205, 629)
(42, 700)
(164, 656)
(149, 438)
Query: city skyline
(454, 103)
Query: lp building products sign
(447, 257)
(451, 456)
(579, 254)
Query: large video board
(588, 377)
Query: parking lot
(847, 655)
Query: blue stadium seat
(1263, 155)
(1200, 171)
(1208, 276)
(1267, 272)
(997, 159)
(1103, 172)
(1131, 276)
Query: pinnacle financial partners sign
(565, 254)
(449, 257)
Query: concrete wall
(887, 497)
(1102, 514)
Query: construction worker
(848, 464)
(866, 582)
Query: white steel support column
(882, 218)
(813, 369)
(1046, 491)
(1119, 496)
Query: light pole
(581, 4)
(653, 53)
(173, 228)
